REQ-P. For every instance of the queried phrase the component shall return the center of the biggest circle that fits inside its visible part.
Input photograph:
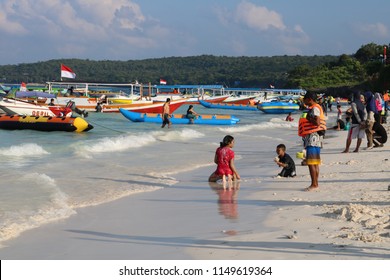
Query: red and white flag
(271, 86)
(66, 72)
(23, 87)
(163, 82)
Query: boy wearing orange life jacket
(311, 128)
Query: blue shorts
(313, 155)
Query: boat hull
(83, 103)
(12, 106)
(157, 108)
(238, 100)
(44, 123)
(278, 107)
(114, 108)
(209, 99)
(180, 119)
(228, 106)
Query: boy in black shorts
(285, 161)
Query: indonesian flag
(163, 82)
(66, 72)
(271, 86)
(23, 87)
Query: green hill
(365, 68)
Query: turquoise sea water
(47, 176)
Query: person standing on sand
(358, 127)
(339, 117)
(166, 114)
(311, 128)
(224, 158)
(371, 112)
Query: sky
(41, 30)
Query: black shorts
(166, 119)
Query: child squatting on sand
(224, 158)
(284, 160)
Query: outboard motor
(72, 105)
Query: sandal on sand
(308, 189)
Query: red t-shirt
(224, 156)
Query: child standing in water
(224, 158)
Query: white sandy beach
(347, 218)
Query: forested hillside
(365, 68)
(205, 69)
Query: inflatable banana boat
(44, 123)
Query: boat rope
(115, 130)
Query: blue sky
(40, 30)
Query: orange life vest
(305, 127)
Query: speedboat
(17, 106)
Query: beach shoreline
(266, 218)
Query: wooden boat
(114, 107)
(209, 99)
(228, 106)
(180, 119)
(44, 123)
(120, 100)
(155, 107)
(277, 107)
(243, 100)
(210, 93)
(86, 96)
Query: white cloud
(258, 17)
(378, 30)
(76, 27)
(40, 17)
(223, 15)
(125, 13)
(293, 40)
(89, 18)
(261, 25)
(8, 26)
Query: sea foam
(273, 123)
(115, 144)
(46, 203)
(180, 135)
(23, 150)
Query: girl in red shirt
(224, 158)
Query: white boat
(81, 102)
(111, 97)
(86, 96)
(18, 107)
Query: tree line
(367, 68)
